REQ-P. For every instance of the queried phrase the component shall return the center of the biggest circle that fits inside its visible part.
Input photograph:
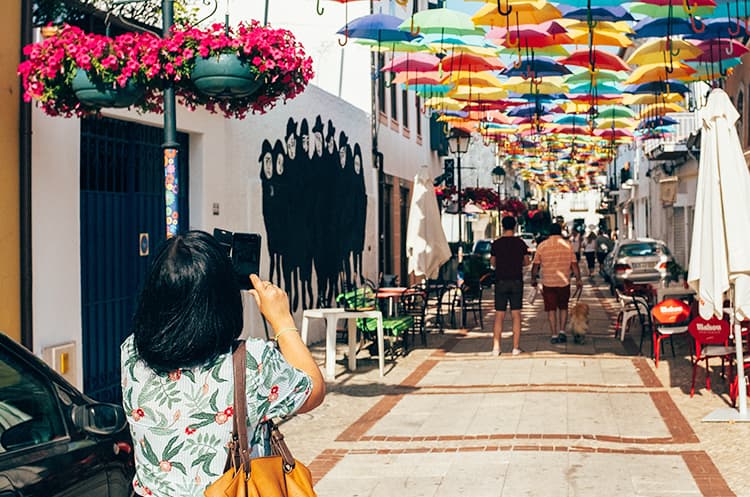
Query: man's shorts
(508, 291)
(556, 297)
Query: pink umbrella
(413, 62)
(531, 35)
(466, 62)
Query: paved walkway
(558, 420)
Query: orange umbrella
(658, 72)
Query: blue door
(122, 225)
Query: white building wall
(224, 168)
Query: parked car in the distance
(641, 260)
(54, 440)
(530, 240)
(483, 250)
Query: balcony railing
(671, 146)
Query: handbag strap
(239, 449)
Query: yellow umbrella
(659, 109)
(658, 72)
(548, 86)
(445, 103)
(524, 12)
(616, 123)
(483, 93)
(649, 98)
(657, 50)
(474, 79)
(601, 26)
(580, 36)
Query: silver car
(642, 260)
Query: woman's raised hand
(272, 302)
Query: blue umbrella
(596, 13)
(658, 87)
(380, 27)
(537, 67)
(719, 28)
(657, 122)
(528, 110)
(662, 26)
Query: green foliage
(147, 12)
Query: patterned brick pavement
(561, 419)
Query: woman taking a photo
(177, 374)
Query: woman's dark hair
(190, 309)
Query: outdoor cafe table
(390, 293)
(678, 292)
(331, 317)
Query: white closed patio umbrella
(720, 250)
(426, 245)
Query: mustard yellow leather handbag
(278, 475)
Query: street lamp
(458, 143)
(498, 179)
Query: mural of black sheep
(314, 210)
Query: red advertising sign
(671, 311)
(709, 331)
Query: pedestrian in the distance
(589, 252)
(509, 256)
(576, 241)
(604, 245)
(556, 260)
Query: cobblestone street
(560, 419)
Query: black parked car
(55, 441)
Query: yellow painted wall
(10, 300)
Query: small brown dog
(579, 322)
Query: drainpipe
(24, 188)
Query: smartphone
(245, 257)
(224, 238)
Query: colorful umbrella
(595, 59)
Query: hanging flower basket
(236, 71)
(99, 94)
(251, 54)
(224, 76)
(76, 73)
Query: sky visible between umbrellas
(557, 86)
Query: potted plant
(247, 69)
(77, 73)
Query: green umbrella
(615, 112)
(601, 76)
(654, 11)
(440, 21)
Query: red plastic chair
(711, 337)
(670, 317)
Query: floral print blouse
(181, 422)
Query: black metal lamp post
(170, 145)
(458, 143)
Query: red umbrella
(716, 49)
(613, 134)
(595, 58)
